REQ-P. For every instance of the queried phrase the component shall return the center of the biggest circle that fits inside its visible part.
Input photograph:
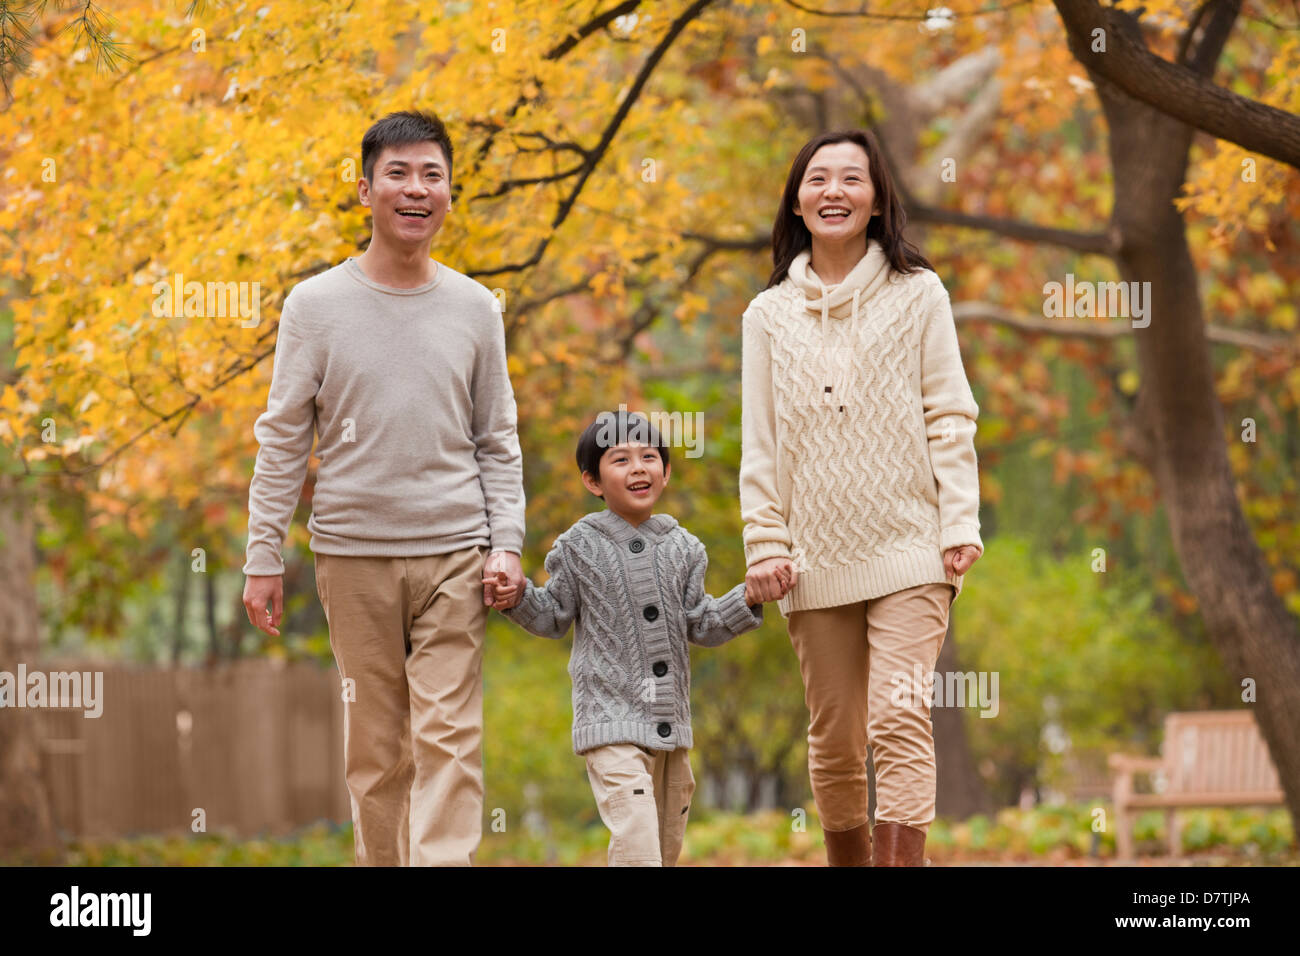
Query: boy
(634, 581)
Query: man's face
(410, 193)
(632, 477)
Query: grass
(1059, 835)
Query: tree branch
(611, 130)
(1181, 92)
(597, 22)
(1083, 329)
(1100, 243)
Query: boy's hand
(506, 594)
(496, 562)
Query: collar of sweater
(843, 300)
(618, 528)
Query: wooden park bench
(1213, 758)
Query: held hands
(505, 594)
(958, 560)
(770, 580)
(503, 580)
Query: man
(399, 363)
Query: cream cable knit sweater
(858, 430)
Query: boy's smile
(632, 477)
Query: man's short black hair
(400, 129)
(611, 429)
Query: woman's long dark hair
(790, 236)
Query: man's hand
(511, 588)
(259, 590)
(770, 580)
(959, 560)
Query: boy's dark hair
(611, 429)
(399, 129)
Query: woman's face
(836, 198)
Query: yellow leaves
(692, 305)
(991, 488)
(9, 399)
(1238, 189)
(1292, 381)
(1234, 381)
(765, 44)
(1263, 289)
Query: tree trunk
(961, 792)
(210, 612)
(1179, 416)
(26, 821)
(181, 595)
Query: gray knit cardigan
(637, 594)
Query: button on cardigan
(637, 596)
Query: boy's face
(408, 180)
(632, 477)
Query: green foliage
(1081, 656)
(528, 720)
(1045, 835)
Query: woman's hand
(770, 580)
(958, 560)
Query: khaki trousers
(643, 797)
(407, 634)
(860, 664)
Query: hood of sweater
(842, 301)
(621, 530)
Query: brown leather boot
(898, 845)
(849, 847)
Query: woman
(858, 486)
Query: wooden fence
(257, 745)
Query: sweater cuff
(525, 612)
(762, 550)
(263, 562)
(736, 613)
(956, 535)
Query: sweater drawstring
(827, 369)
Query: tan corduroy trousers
(860, 664)
(643, 796)
(407, 634)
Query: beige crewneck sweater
(858, 425)
(409, 394)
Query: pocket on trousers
(677, 812)
(632, 825)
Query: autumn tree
(617, 167)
